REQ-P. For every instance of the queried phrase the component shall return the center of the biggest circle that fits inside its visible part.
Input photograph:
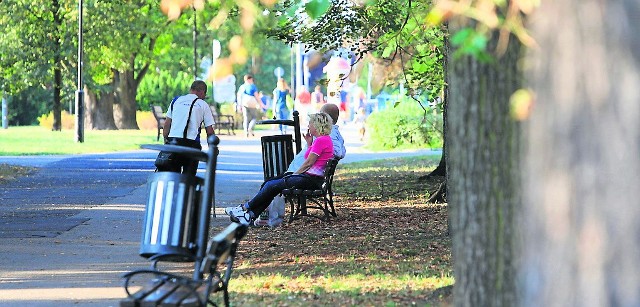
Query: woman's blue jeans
(273, 187)
(282, 113)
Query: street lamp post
(79, 92)
(195, 52)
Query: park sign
(279, 72)
(224, 89)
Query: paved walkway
(68, 232)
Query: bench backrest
(329, 172)
(277, 154)
(214, 111)
(158, 113)
(222, 247)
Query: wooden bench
(321, 199)
(167, 289)
(223, 121)
(160, 118)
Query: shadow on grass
(387, 246)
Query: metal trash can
(171, 217)
(277, 154)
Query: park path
(69, 231)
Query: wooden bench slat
(152, 299)
(183, 296)
(150, 287)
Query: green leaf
(317, 8)
(479, 42)
(461, 36)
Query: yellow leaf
(235, 43)
(198, 4)
(268, 2)
(435, 16)
(239, 56)
(521, 103)
(247, 19)
(220, 70)
(171, 8)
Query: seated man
(339, 150)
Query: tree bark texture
(57, 105)
(482, 176)
(98, 110)
(125, 106)
(582, 171)
(57, 67)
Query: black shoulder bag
(169, 161)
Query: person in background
(344, 105)
(310, 175)
(303, 103)
(251, 104)
(280, 109)
(360, 120)
(264, 99)
(182, 126)
(317, 98)
(339, 151)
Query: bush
(228, 108)
(146, 120)
(68, 120)
(158, 88)
(404, 126)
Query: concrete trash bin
(171, 217)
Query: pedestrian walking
(280, 109)
(251, 105)
(185, 116)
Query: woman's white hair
(322, 122)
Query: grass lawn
(35, 140)
(387, 247)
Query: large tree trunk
(99, 110)
(125, 107)
(582, 176)
(482, 170)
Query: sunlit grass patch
(354, 289)
(35, 140)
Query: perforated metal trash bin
(171, 217)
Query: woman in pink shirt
(308, 176)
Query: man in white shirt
(182, 126)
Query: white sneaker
(243, 218)
(237, 210)
(238, 215)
